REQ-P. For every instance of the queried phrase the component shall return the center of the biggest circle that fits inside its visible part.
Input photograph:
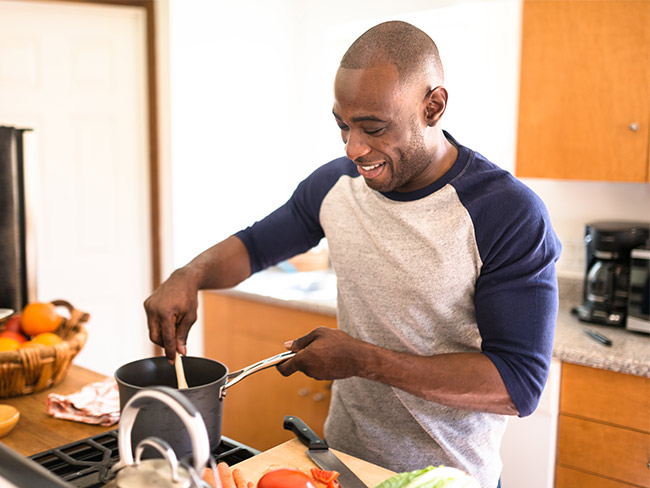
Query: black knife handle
(307, 436)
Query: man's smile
(371, 170)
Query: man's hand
(172, 308)
(171, 312)
(325, 354)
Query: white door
(76, 75)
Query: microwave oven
(638, 298)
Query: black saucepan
(207, 381)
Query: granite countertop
(311, 291)
(629, 352)
(315, 292)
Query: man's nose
(356, 146)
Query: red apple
(13, 335)
(13, 323)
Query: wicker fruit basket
(33, 369)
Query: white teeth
(368, 168)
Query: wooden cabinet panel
(616, 398)
(570, 478)
(240, 332)
(584, 107)
(605, 450)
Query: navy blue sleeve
(516, 298)
(295, 227)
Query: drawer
(570, 478)
(605, 450)
(616, 398)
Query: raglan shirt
(466, 264)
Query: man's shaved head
(413, 52)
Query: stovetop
(86, 463)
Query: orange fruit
(27, 344)
(38, 317)
(8, 344)
(46, 338)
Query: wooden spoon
(180, 372)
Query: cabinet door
(605, 396)
(570, 478)
(584, 107)
(605, 450)
(239, 332)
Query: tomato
(325, 477)
(285, 478)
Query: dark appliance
(86, 463)
(638, 300)
(13, 220)
(609, 245)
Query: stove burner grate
(86, 463)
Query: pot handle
(181, 406)
(237, 376)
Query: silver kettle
(167, 472)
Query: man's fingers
(302, 342)
(182, 331)
(288, 367)
(168, 327)
(155, 335)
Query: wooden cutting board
(292, 455)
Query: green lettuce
(431, 477)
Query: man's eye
(343, 127)
(374, 131)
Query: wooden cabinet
(239, 332)
(584, 106)
(603, 429)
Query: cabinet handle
(634, 126)
(319, 397)
(303, 392)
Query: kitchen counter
(315, 291)
(37, 431)
(311, 291)
(629, 352)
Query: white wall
(574, 203)
(251, 86)
(251, 107)
(232, 78)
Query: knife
(321, 455)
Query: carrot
(239, 478)
(208, 476)
(225, 475)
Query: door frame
(152, 120)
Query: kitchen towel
(97, 403)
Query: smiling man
(389, 99)
(445, 264)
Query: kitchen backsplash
(572, 204)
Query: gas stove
(86, 463)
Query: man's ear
(435, 105)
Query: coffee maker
(607, 276)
